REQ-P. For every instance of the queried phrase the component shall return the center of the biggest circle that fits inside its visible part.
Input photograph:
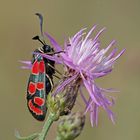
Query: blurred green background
(63, 18)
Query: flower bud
(62, 103)
(70, 126)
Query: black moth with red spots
(40, 82)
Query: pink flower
(82, 57)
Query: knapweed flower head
(82, 57)
(85, 61)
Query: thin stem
(46, 127)
(31, 137)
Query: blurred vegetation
(63, 18)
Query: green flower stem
(46, 127)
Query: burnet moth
(41, 78)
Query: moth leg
(54, 69)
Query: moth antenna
(41, 22)
(37, 38)
(41, 25)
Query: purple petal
(26, 67)
(119, 54)
(101, 74)
(63, 84)
(112, 54)
(50, 57)
(110, 45)
(70, 64)
(99, 33)
(89, 33)
(111, 61)
(101, 96)
(109, 90)
(53, 42)
(83, 97)
(89, 104)
(110, 114)
(25, 62)
(96, 109)
(90, 90)
(65, 57)
(77, 34)
(92, 116)
(28, 64)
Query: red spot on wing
(40, 85)
(41, 67)
(31, 106)
(35, 68)
(34, 109)
(39, 101)
(38, 111)
(32, 88)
